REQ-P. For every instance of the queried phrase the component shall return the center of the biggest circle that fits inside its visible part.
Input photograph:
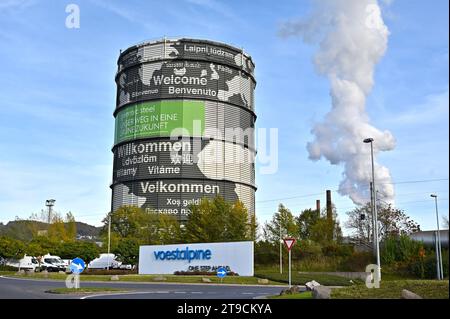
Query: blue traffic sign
(77, 266)
(221, 272)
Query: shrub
(306, 249)
(357, 261)
(400, 249)
(426, 267)
(266, 253)
(7, 268)
(314, 264)
(202, 273)
(111, 272)
(334, 249)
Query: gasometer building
(184, 126)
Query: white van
(55, 262)
(103, 261)
(26, 263)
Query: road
(18, 288)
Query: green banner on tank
(154, 119)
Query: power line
(351, 207)
(285, 198)
(419, 181)
(305, 201)
(348, 188)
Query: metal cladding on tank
(184, 126)
(428, 237)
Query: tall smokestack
(318, 207)
(329, 208)
(329, 214)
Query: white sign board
(167, 259)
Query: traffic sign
(221, 272)
(289, 242)
(77, 266)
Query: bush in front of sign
(202, 273)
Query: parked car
(47, 266)
(103, 261)
(26, 263)
(55, 263)
(126, 267)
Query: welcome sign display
(167, 259)
(160, 118)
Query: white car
(53, 263)
(26, 263)
(126, 267)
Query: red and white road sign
(289, 242)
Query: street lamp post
(109, 238)
(374, 209)
(438, 239)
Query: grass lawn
(301, 279)
(274, 278)
(84, 290)
(7, 273)
(301, 295)
(428, 289)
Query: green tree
(82, 249)
(392, 222)
(169, 229)
(305, 221)
(218, 220)
(44, 245)
(57, 230)
(130, 222)
(128, 251)
(71, 226)
(326, 231)
(282, 220)
(253, 228)
(11, 248)
(127, 222)
(34, 249)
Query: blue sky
(58, 94)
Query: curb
(147, 282)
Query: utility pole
(109, 237)
(438, 239)
(281, 249)
(374, 207)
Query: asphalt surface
(20, 288)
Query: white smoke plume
(352, 38)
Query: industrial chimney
(329, 208)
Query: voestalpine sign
(208, 257)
